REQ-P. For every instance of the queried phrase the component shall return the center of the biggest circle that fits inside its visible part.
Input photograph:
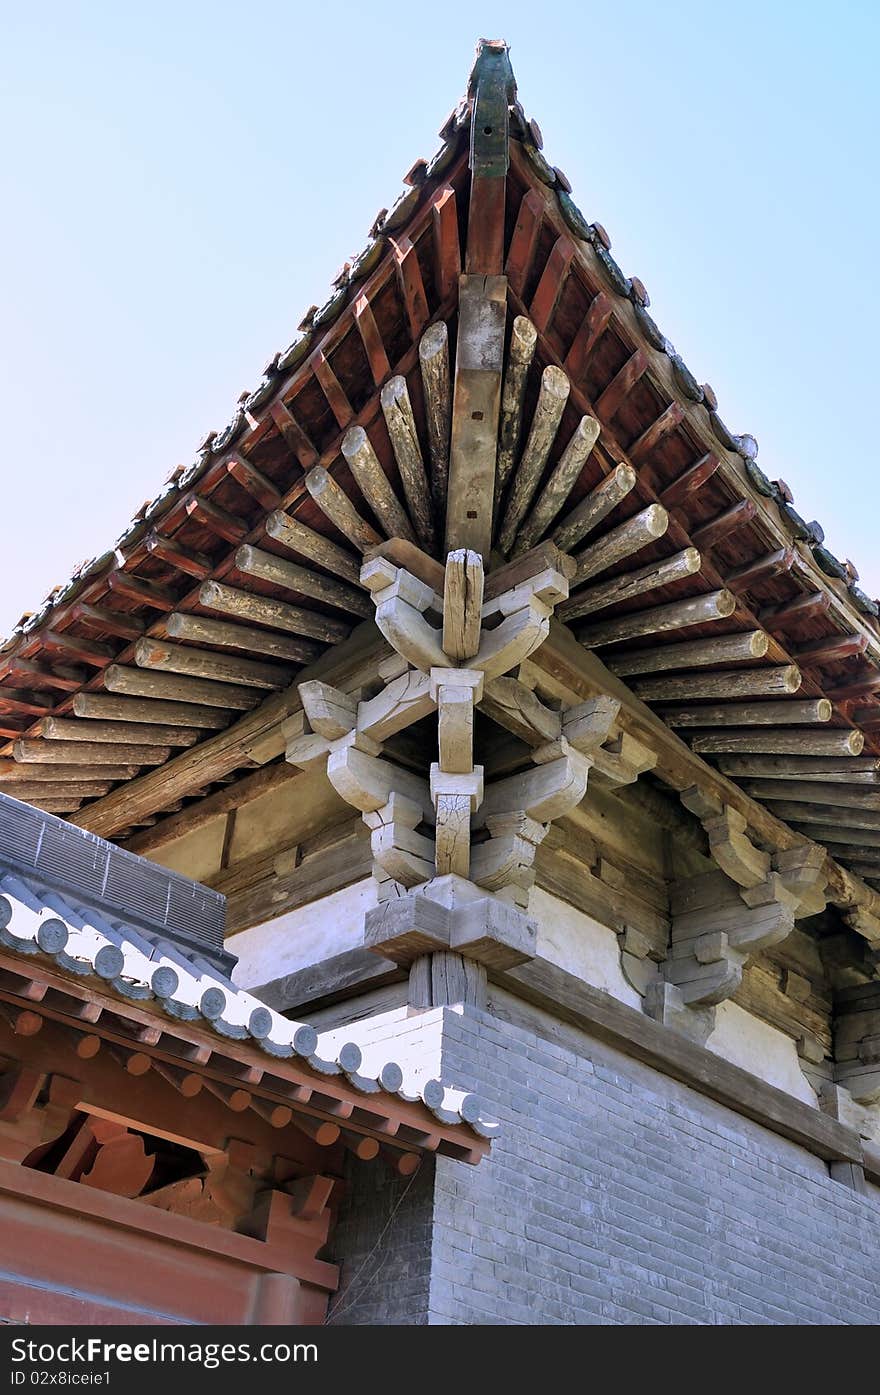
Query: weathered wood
(87, 753)
(804, 743)
(294, 435)
(265, 566)
(103, 707)
(513, 706)
(749, 714)
(560, 484)
(693, 653)
(335, 504)
(828, 814)
(437, 389)
(138, 682)
(808, 791)
(462, 604)
(212, 806)
(588, 514)
(222, 523)
(112, 622)
(410, 284)
(331, 712)
(854, 839)
(827, 770)
(176, 555)
(740, 513)
(592, 327)
(27, 673)
(779, 617)
(305, 542)
(550, 285)
(201, 663)
(689, 481)
(265, 610)
(404, 700)
(139, 733)
(513, 575)
(331, 387)
(143, 592)
(374, 484)
(54, 804)
(32, 791)
(455, 690)
(447, 248)
(476, 403)
(374, 347)
(864, 686)
(255, 737)
(761, 569)
(77, 648)
(398, 413)
(254, 482)
(18, 702)
(412, 559)
(698, 610)
(753, 682)
(624, 588)
(12, 773)
(659, 429)
(524, 241)
(629, 537)
(831, 649)
(201, 630)
(552, 398)
(609, 402)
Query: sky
(179, 182)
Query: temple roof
(162, 669)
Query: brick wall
(613, 1195)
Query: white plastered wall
(308, 935)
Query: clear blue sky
(181, 181)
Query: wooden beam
(863, 686)
(476, 405)
(623, 588)
(80, 650)
(830, 769)
(560, 484)
(524, 240)
(780, 617)
(698, 610)
(374, 484)
(141, 733)
(103, 707)
(840, 816)
(593, 326)
(294, 435)
(29, 674)
(550, 285)
(332, 389)
(87, 753)
(491, 89)
(33, 790)
(552, 398)
(136, 682)
(305, 542)
(462, 604)
(760, 569)
(222, 523)
(447, 250)
(410, 284)
(201, 663)
(290, 576)
(591, 510)
(754, 682)
(143, 592)
(112, 622)
(629, 537)
(663, 425)
(335, 504)
(437, 392)
(726, 523)
(609, 402)
(398, 413)
(200, 630)
(265, 610)
(374, 347)
(254, 482)
(12, 773)
(692, 653)
(176, 555)
(689, 481)
(749, 714)
(520, 352)
(17, 702)
(808, 791)
(801, 743)
(830, 649)
(222, 801)
(259, 732)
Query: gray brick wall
(613, 1195)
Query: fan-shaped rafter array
(696, 580)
